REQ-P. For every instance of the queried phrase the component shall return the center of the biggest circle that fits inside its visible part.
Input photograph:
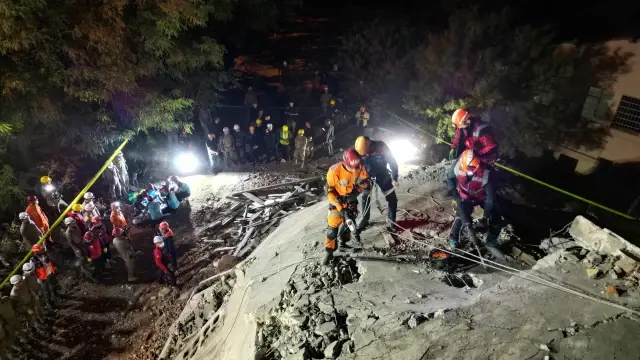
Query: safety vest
(94, 249)
(117, 219)
(472, 187)
(284, 137)
(43, 269)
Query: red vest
(472, 187)
(94, 250)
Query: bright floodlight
(186, 162)
(48, 188)
(403, 151)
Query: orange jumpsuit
(37, 215)
(343, 187)
(117, 219)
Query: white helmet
(270, 126)
(23, 216)
(158, 240)
(15, 279)
(115, 205)
(28, 266)
(236, 127)
(110, 166)
(89, 207)
(68, 221)
(225, 130)
(88, 196)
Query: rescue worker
(172, 200)
(154, 209)
(376, 157)
(250, 97)
(99, 230)
(271, 142)
(45, 272)
(300, 144)
(169, 245)
(117, 218)
(345, 180)
(472, 134)
(213, 146)
(9, 318)
(362, 117)
(254, 143)
(23, 298)
(112, 177)
(308, 133)
(30, 278)
(183, 191)
(74, 237)
(259, 116)
(325, 98)
(123, 170)
(94, 253)
(76, 214)
(51, 195)
(166, 272)
(227, 148)
(283, 146)
(331, 131)
(471, 185)
(239, 141)
(291, 116)
(29, 231)
(217, 128)
(267, 121)
(36, 214)
(124, 249)
(90, 209)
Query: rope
(64, 213)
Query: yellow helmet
(285, 128)
(45, 180)
(362, 145)
(300, 131)
(258, 121)
(332, 102)
(76, 207)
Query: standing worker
(471, 185)
(93, 251)
(51, 195)
(23, 298)
(285, 140)
(362, 117)
(331, 131)
(45, 272)
(270, 144)
(300, 144)
(74, 237)
(472, 134)
(117, 218)
(345, 180)
(76, 214)
(37, 215)
(123, 170)
(112, 176)
(254, 143)
(30, 232)
(31, 280)
(291, 116)
(89, 211)
(166, 272)
(376, 157)
(213, 146)
(124, 249)
(227, 148)
(239, 142)
(169, 244)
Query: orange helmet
(469, 162)
(362, 145)
(163, 225)
(37, 248)
(461, 118)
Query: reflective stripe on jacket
(472, 187)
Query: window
(628, 115)
(596, 105)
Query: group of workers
(370, 163)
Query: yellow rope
(64, 213)
(518, 173)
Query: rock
(628, 262)
(414, 321)
(225, 262)
(326, 308)
(325, 328)
(605, 268)
(592, 237)
(567, 256)
(293, 320)
(613, 275)
(419, 295)
(367, 322)
(164, 292)
(362, 338)
(555, 244)
(439, 313)
(593, 273)
(612, 290)
(593, 258)
(332, 351)
(584, 252)
(300, 355)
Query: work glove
(105, 250)
(89, 260)
(452, 154)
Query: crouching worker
(166, 271)
(345, 180)
(471, 185)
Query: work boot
(344, 247)
(328, 256)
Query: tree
(530, 89)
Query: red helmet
(163, 225)
(164, 188)
(351, 158)
(117, 231)
(37, 248)
(96, 220)
(88, 236)
(32, 198)
(362, 108)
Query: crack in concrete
(576, 329)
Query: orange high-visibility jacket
(117, 219)
(37, 215)
(342, 182)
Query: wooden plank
(266, 228)
(253, 198)
(246, 249)
(244, 240)
(275, 186)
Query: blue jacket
(377, 159)
(184, 188)
(172, 200)
(154, 209)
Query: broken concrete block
(555, 244)
(325, 328)
(593, 258)
(326, 307)
(593, 273)
(605, 267)
(225, 262)
(332, 351)
(300, 355)
(592, 237)
(628, 262)
(567, 256)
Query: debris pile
(306, 324)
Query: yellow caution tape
(64, 213)
(518, 173)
